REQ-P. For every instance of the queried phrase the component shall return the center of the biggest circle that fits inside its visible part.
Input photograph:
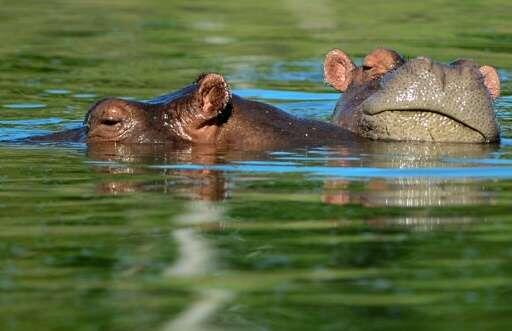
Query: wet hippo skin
(204, 112)
(388, 98)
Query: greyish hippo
(389, 98)
(204, 112)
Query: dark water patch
(463, 44)
(309, 210)
(85, 259)
(487, 47)
(494, 36)
(73, 33)
(158, 25)
(45, 63)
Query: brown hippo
(204, 112)
(392, 99)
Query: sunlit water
(369, 236)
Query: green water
(379, 236)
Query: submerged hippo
(392, 99)
(204, 112)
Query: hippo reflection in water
(389, 98)
(205, 181)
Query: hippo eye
(110, 122)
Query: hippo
(205, 112)
(389, 98)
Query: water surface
(370, 236)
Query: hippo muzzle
(423, 100)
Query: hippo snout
(456, 93)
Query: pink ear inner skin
(338, 69)
(491, 80)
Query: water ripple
(31, 122)
(285, 95)
(26, 105)
(57, 91)
(352, 172)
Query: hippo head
(392, 99)
(193, 113)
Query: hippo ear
(338, 69)
(213, 93)
(491, 80)
(382, 60)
